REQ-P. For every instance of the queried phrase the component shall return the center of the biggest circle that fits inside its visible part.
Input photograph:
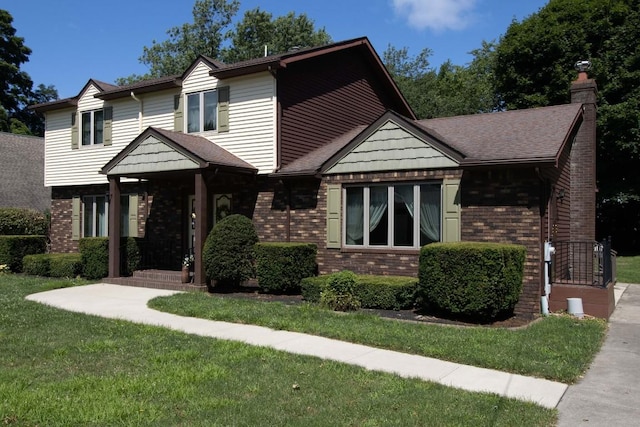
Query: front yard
(62, 368)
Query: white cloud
(438, 15)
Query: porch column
(114, 226)
(202, 226)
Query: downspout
(546, 247)
(139, 101)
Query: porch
(586, 270)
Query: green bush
(281, 266)
(14, 248)
(380, 292)
(339, 294)
(228, 253)
(36, 265)
(132, 256)
(94, 253)
(53, 265)
(65, 265)
(479, 281)
(23, 222)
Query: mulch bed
(253, 293)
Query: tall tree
(533, 68)
(448, 91)
(204, 36)
(258, 30)
(16, 92)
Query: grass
(629, 269)
(558, 347)
(59, 368)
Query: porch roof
(158, 150)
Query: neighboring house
(315, 145)
(22, 173)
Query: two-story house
(315, 145)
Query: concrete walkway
(130, 303)
(609, 393)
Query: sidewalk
(130, 303)
(608, 394)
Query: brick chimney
(583, 159)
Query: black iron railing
(152, 253)
(584, 263)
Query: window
(402, 216)
(202, 111)
(92, 127)
(94, 218)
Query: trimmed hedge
(480, 281)
(14, 248)
(94, 253)
(228, 253)
(281, 266)
(53, 265)
(381, 292)
(22, 222)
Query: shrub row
(53, 265)
(475, 280)
(22, 222)
(14, 248)
(94, 253)
(381, 292)
(281, 266)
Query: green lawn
(557, 347)
(629, 269)
(59, 368)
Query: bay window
(399, 216)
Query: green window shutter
(178, 113)
(334, 226)
(74, 131)
(133, 215)
(75, 218)
(451, 210)
(223, 109)
(108, 121)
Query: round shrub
(340, 293)
(95, 257)
(228, 253)
(477, 281)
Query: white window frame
(94, 222)
(92, 126)
(201, 110)
(390, 214)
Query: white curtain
(378, 202)
(430, 211)
(355, 216)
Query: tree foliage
(533, 68)
(16, 87)
(448, 91)
(211, 34)
(258, 30)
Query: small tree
(228, 253)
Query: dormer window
(202, 111)
(93, 127)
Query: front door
(221, 209)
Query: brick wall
(504, 206)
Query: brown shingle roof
(518, 136)
(22, 172)
(205, 152)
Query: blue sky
(74, 40)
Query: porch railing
(584, 263)
(154, 253)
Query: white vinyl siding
(251, 135)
